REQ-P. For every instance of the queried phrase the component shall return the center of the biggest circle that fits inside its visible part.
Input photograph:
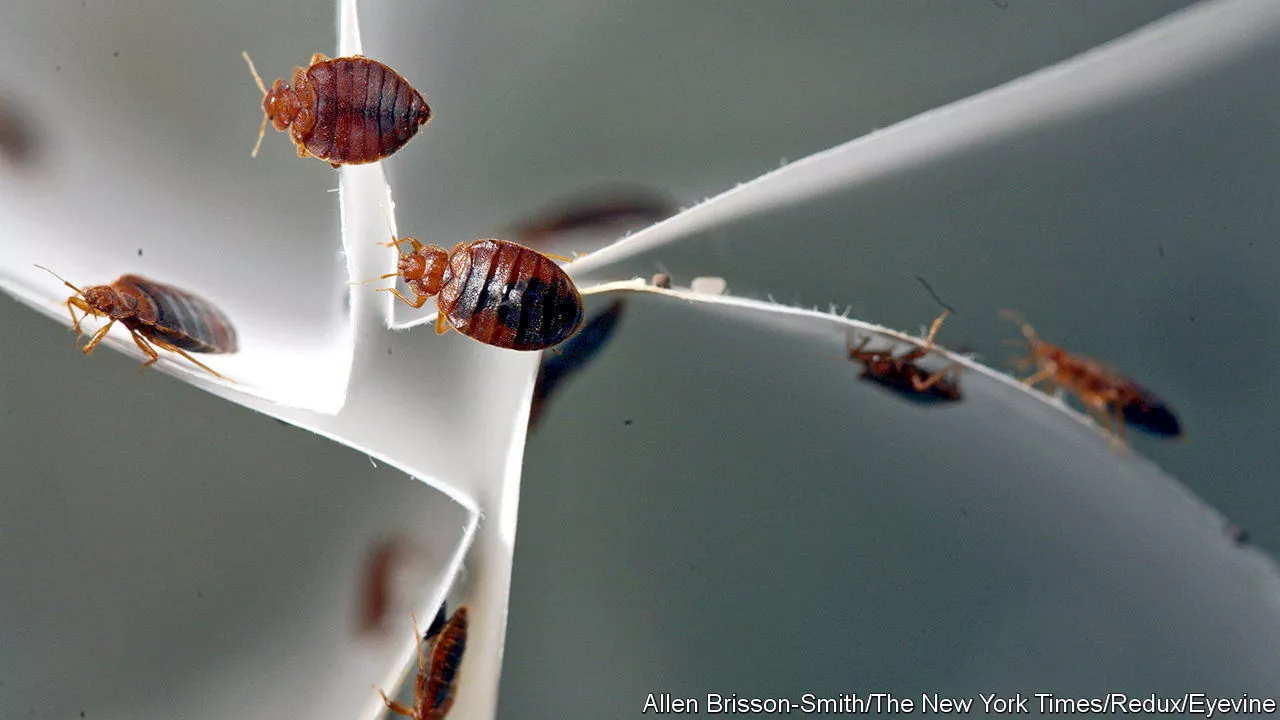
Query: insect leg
(934, 379)
(1102, 415)
(396, 707)
(442, 324)
(395, 243)
(1045, 373)
(320, 57)
(72, 304)
(145, 346)
(415, 304)
(199, 364)
(424, 665)
(857, 353)
(1118, 413)
(174, 348)
(97, 338)
(933, 330)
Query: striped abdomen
(176, 317)
(363, 110)
(446, 657)
(507, 295)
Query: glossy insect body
(156, 315)
(347, 110)
(901, 374)
(439, 659)
(1112, 397)
(494, 291)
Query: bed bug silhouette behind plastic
(345, 111)
(576, 353)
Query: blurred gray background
(1145, 243)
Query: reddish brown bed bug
(345, 111)
(494, 291)
(439, 658)
(156, 315)
(1109, 396)
(901, 374)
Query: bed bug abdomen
(1146, 411)
(182, 319)
(363, 112)
(510, 296)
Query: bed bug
(901, 374)
(1109, 396)
(378, 586)
(494, 291)
(579, 350)
(345, 111)
(439, 657)
(156, 315)
(620, 210)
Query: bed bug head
(279, 104)
(96, 299)
(423, 269)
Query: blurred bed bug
(629, 210)
(439, 657)
(494, 291)
(1109, 396)
(901, 374)
(156, 315)
(345, 111)
(578, 351)
(378, 586)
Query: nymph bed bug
(345, 111)
(439, 657)
(494, 291)
(577, 352)
(156, 315)
(901, 374)
(1113, 398)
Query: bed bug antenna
(376, 279)
(936, 299)
(64, 280)
(1027, 331)
(256, 77)
(262, 129)
(391, 230)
